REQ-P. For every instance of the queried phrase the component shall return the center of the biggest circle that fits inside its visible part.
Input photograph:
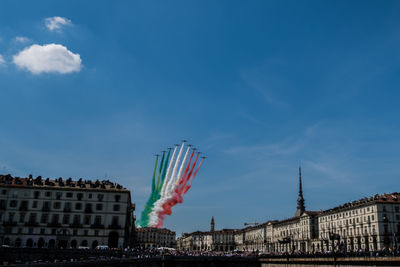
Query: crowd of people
(71, 255)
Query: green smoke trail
(144, 217)
(155, 192)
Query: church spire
(212, 224)
(300, 200)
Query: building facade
(367, 224)
(155, 237)
(220, 240)
(36, 212)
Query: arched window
(29, 243)
(95, 244)
(18, 242)
(52, 243)
(40, 243)
(73, 243)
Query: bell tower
(212, 224)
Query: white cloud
(21, 39)
(56, 23)
(2, 61)
(48, 58)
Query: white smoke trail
(173, 176)
(170, 188)
(182, 166)
(158, 204)
(167, 175)
(169, 193)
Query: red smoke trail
(166, 207)
(187, 167)
(191, 179)
(177, 195)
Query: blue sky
(261, 87)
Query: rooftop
(383, 198)
(153, 229)
(60, 183)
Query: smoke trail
(157, 205)
(171, 179)
(172, 200)
(144, 218)
(170, 191)
(159, 171)
(194, 175)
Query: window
(99, 206)
(57, 205)
(384, 208)
(4, 192)
(34, 204)
(79, 196)
(53, 231)
(373, 217)
(58, 195)
(48, 194)
(88, 219)
(11, 216)
(69, 194)
(13, 203)
(22, 217)
(88, 207)
(85, 232)
(78, 206)
(116, 207)
(75, 232)
(14, 194)
(42, 231)
(36, 194)
(115, 220)
(77, 219)
(32, 218)
(55, 218)
(97, 220)
(44, 218)
(46, 206)
(67, 206)
(100, 197)
(96, 232)
(397, 209)
(24, 205)
(90, 195)
(117, 198)
(66, 219)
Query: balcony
(97, 226)
(75, 225)
(9, 223)
(31, 224)
(114, 226)
(53, 224)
